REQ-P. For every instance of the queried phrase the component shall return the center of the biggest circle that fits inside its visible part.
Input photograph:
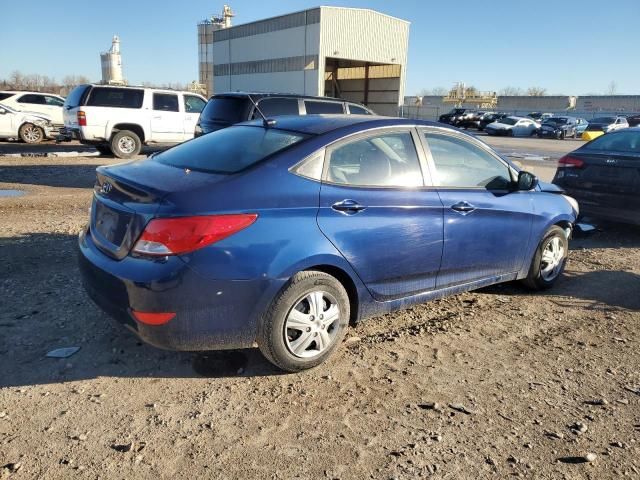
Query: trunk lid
(128, 195)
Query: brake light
(82, 118)
(570, 162)
(151, 318)
(173, 236)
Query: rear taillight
(570, 162)
(82, 118)
(153, 318)
(173, 236)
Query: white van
(120, 120)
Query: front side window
(313, 107)
(461, 164)
(34, 99)
(193, 104)
(54, 101)
(357, 110)
(165, 102)
(382, 160)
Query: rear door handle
(463, 207)
(348, 206)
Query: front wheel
(306, 322)
(549, 260)
(30, 133)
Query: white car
(513, 127)
(38, 102)
(120, 120)
(29, 127)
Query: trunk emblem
(106, 188)
(611, 160)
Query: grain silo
(111, 62)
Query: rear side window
(356, 110)
(33, 99)
(165, 102)
(616, 142)
(4, 96)
(272, 107)
(381, 160)
(229, 150)
(116, 97)
(76, 96)
(225, 110)
(322, 107)
(193, 104)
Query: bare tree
(612, 88)
(536, 91)
(510, 91)
(437, 91)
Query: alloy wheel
(32, 134)
(552, 259)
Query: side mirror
(527, 181)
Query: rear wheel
(306, 322)
(30, 133)
(549, 260)
(125, 144)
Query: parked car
(603, 175)
(29, 127)
(601, 125)
(36, 102)
(471, 119)
(581, 126)
(120, 120)
(453, 116)
(513, 127)
(226, 109)
(633, 120)
(490, 118)
(559, 128)
(285, 234)
(539, 116)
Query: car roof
(319, 124)
(260, 95)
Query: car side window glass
(56, 102)
(165, 102)
(382, 160)
(35, 99)
(272, 107)
(313, 107)
(356, 110)
(461, 164)
(193, 104)
(115, 97)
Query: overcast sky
(567, 47)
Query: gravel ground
(490, 384)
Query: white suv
(37, 102)
(120, 120)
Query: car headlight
(42, 123)
(574, 204)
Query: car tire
(561, 136)
(296, 342)
(30, 133)
(549, 260)
(125, 144)
(510, 133)
(104, 149)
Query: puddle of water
(11, 193)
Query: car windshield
(624, 141)
(224, 109)
(229, 150)
(556, 121)
(509, 121)
(605, 120)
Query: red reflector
(153, 318)
(172, 236)
(570, 162)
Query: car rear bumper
(605, 206)
(210, 314)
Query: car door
(54, 109)
(377, 211)
(487, 226)
(193, 106)
(7, 128)
(167, 123)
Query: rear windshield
(74, 99)
(628, 141)
(604, 120)
(229, 150)
(224, 109)
(116, 97)
(509, 121)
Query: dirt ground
(490, 384)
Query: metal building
(352, 53)
(111, 63)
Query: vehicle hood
(549, 187)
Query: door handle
(348, 206)
(463, 207)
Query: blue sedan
(284, 233)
